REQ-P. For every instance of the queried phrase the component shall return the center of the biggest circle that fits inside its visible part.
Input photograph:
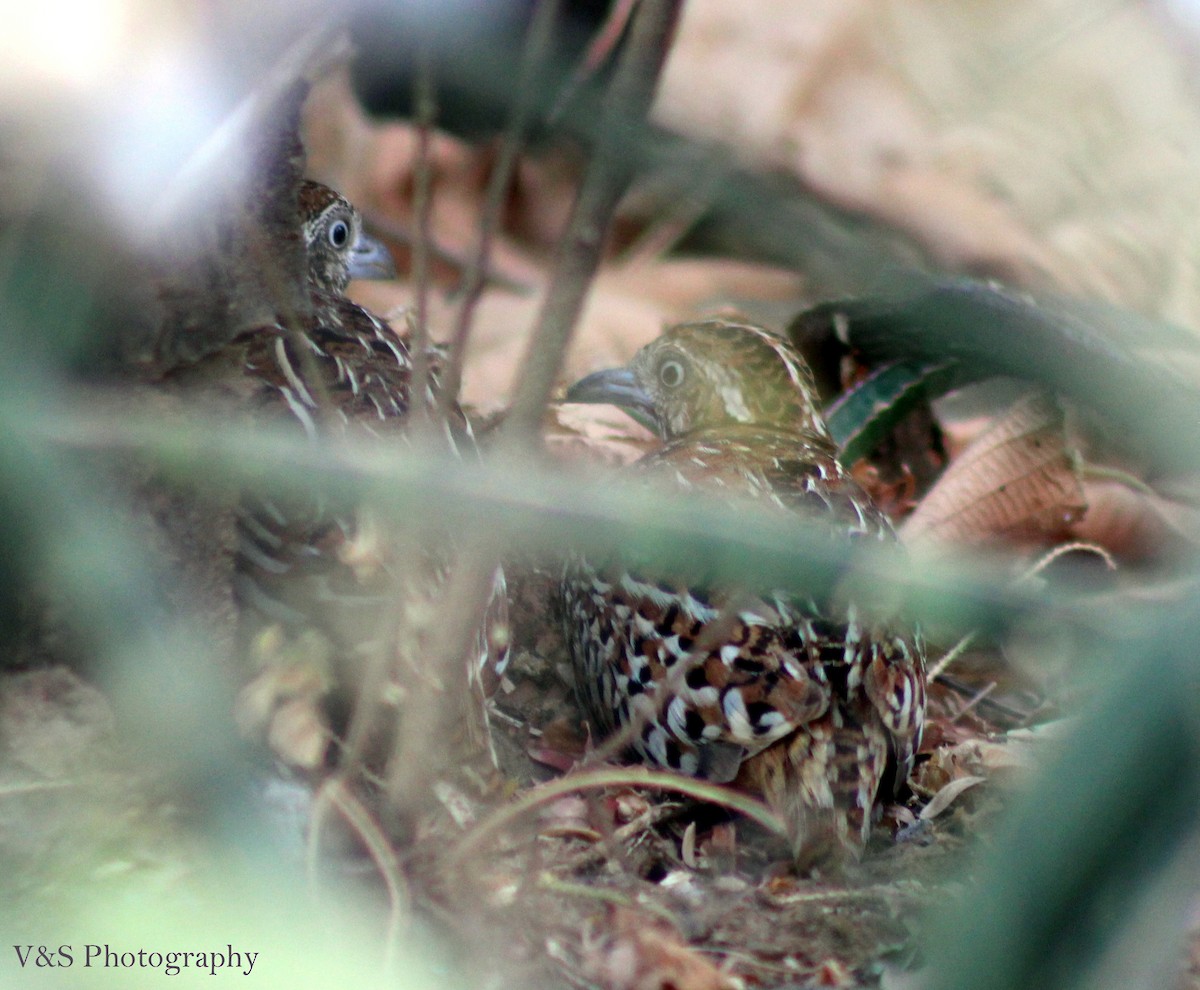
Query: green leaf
(860, 418)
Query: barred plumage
(798, 699)
(308, 568)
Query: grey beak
(615, 387)
(371, 259)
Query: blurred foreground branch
(528, 504)
(608, 174)
(1091, 879)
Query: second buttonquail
(798, 698)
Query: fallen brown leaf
(946, 796)
(602, 434)
(1017, 482)
(636, 951)
(1136, 524)
(298, 735)
(1072, 165)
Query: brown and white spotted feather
(305, 565)
(797, 699)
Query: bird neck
(773, 434)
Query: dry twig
(535, 797)
(537, 51)
(626, 103)
(426, 111)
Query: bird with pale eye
(799, 698)
(315, 577)
(339, 234)
(338, 248)
(672, 373)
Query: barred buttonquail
(309, 569)
(338, 247)
(798, 699)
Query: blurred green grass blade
(543, 511)
(297, 944)
(73, 553)
(46, 299)
(991, 330)
(1108, 818)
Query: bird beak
(371, 259)
(616, 387)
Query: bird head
(338, 247)
(713, 374)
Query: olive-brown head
(338, 247)
(713, 374)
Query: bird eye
(339, 233)
(671, 373)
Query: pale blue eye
(339, 233)
(671, 373)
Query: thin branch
(1078, 546)
(548, 881)
(599, 51)
(389, 230)
(586, 780)
(956, 651)
(426, 110)
(625, 107)
(978, 697)
(413, 764)
(645, 822)
(536, 54)
(335, 795)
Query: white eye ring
(671, 373)
(339, 233)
